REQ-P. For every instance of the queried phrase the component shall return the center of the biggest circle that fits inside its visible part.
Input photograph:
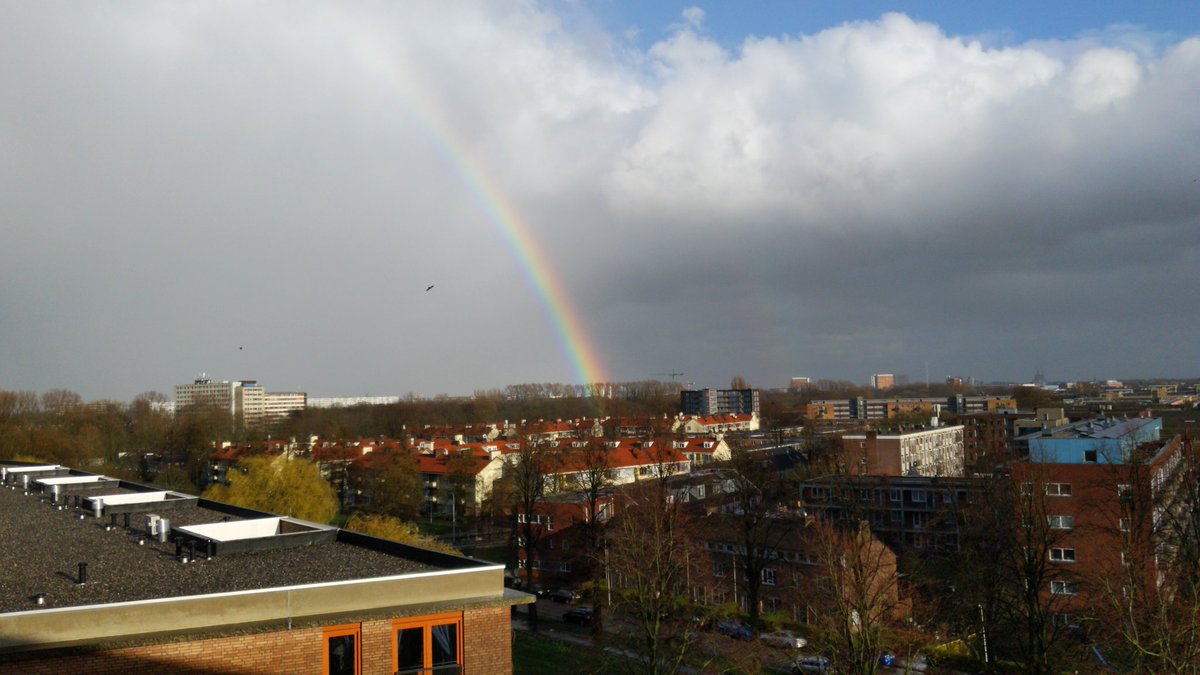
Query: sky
(595, 191)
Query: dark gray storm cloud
(177, 181)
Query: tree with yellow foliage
(281, 485)
(394, 529)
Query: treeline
(58, 426)
(514, 404)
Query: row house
(226, 455)
(711, 425)
(544, 431)
(336, 459)
(565, 548)
(462, 477)
(625, 461)
(565, 551)
(469, 433)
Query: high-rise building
(206, 392)
(245, 400)
(719, 402)
(882, 381)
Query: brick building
(869, 409)
(1103, 487)
(937, 451)
(88, 588)
(905, 512)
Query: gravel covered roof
(41, 548)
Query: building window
(768, 576)
(919, 496)
(1066, 621)
(1089, 456)
(1063, 588)
(895, 495)
(1058, 489)
(1124, 490)
(1061, 522)
(428, 644)
(719, 569)
(1026, 489)
(1062, 554)
(343, 650)
(1125, 525)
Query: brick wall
(487, 641)
(487, 650)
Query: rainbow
(500, 211)
(535, 264)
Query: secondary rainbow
(500, 211)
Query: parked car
(811, 664)
(578, 615)
(887, 658)
(734, 630)
(567, 595)
(783, 639)
(541, 592)
(917, 664)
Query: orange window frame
(426, 623)
(354, 629)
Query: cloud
(694, 16)
(178, 178)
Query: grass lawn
(539, 655)
(496, 554)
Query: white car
(784, 639)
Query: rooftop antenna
(673, 374)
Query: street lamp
(983, 626)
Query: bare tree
(1005, 577)
(651, 555)
(758, 506)
(528, 474)
(594, 480)
(1148, 617)
(856, 594)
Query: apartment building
(246, 400)
(719, 402)
(1104, 487)
(108, 576)
(936, 451)
(906, 512)
(860, 408)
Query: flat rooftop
(41, 548)
(136, 585)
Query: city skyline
(440, 199)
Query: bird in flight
(429, 288)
